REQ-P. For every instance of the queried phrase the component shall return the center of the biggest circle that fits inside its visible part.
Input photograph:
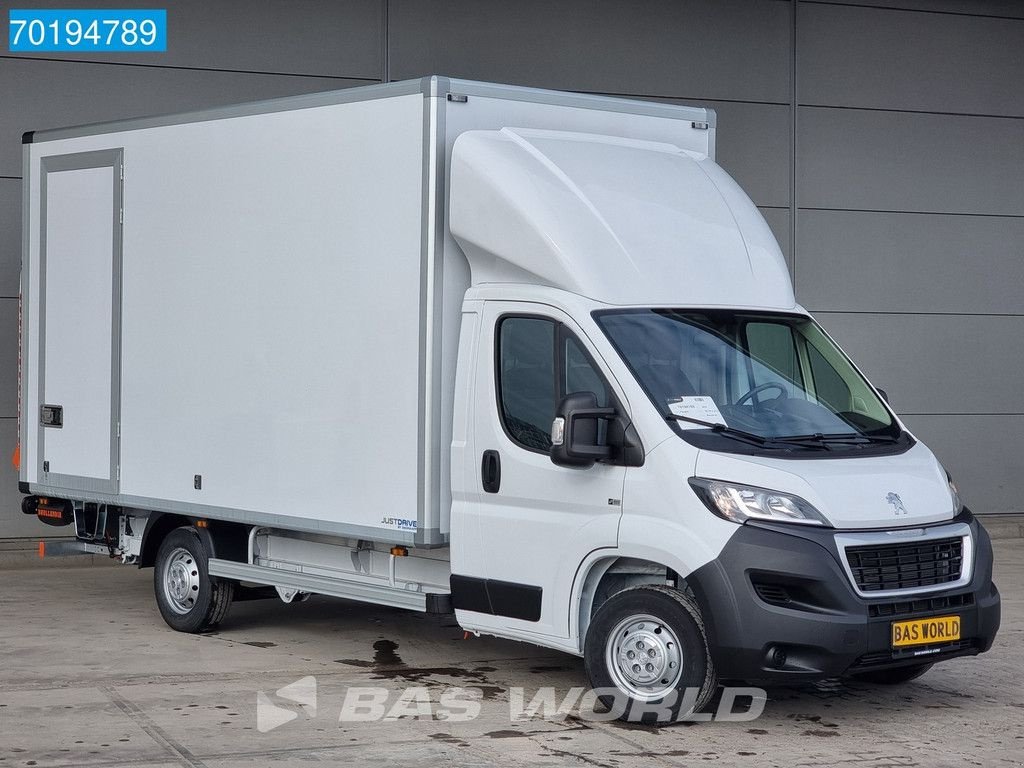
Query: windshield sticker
(695, 407)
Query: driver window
(538, 363)
(526, 380)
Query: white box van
(529, 356)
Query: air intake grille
(934, 653)
(880, 568)
(775, 594)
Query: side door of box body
(79, 320)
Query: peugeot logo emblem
(897, 504)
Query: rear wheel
(648, 644)
(894, 676)
(189, 599)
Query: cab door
(534, 521)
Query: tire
(669, 631)
(893, 676)
(189, 599)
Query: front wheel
(189, 599)
(646, 654)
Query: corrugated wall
(883, 140)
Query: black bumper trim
(779, 606)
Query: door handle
(490, 471)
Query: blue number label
(87, 30)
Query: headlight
(740, 503)
(958, 505)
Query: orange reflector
(16, 458)
(399, 551)
(42, 549)
(202, 524)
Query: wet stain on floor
(387, 664)
(385, 654)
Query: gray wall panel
(859, 57)
(307, 37)
(906, 262)
(754, 144)
(10, 236)
(984, 454)
(728, 49)
(13, 524)
(50, 94)
(895, 161)
(1001, 8)
(778, 220)
(755, 147)
(934, 364)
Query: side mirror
(883, 393)
(575, 430)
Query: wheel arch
(158, 525)
(608, 572)
(220, 538)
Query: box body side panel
(272, 317)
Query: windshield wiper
(804, 441)
(722, 429)
(838, 438)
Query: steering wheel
(783, 392)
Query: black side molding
(23, 487)
(497, 598)
(27, 137)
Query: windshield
(770, 379)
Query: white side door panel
(80, 247)
(542, 520)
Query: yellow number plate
(941, 629)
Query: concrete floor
(92, 677)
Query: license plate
(939, 629)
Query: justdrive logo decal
(401, 523)
(270, 715)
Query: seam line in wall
(908, 413)
(690, 100)
(385, 39)
(191, 69)
(932, 11)
(794, 207)
(913, 213)
(938, 113)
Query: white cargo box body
(252, 313)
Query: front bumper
(778, 605)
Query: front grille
(884, 567)
(920, 605)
